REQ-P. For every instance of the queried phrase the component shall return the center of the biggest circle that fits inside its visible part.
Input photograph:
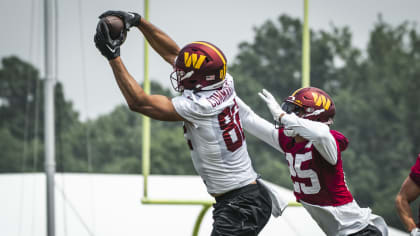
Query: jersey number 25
(296, 171)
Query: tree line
(375, 92)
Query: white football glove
(272, 104)
(415, 232)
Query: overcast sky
(87, 78)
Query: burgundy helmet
(310, 103)
(199, 66)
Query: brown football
(115, 26)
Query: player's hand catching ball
(109, 48)
(272, 104)
(130, 18)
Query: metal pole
(146, 120)
(49, 112)
(306, 48)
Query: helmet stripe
(215, 49)
(294, 93)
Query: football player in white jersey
(212, 126)
(313, 153)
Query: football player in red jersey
(410, 191)
(212, 126)
(313, 153)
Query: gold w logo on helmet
(192, 59)
(321, 100)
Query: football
(115, 26)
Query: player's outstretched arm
(155, 106)
(258, 126)
(164, 45)
(158, 107)
(409, 192)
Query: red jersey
(415, 171)
(315, 180)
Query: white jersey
(345, 219)
(214, 134)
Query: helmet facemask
(290, 108)
(176, 79)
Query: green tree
(10, 160)
(382, 103)
(115, 144)
(22, 115)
